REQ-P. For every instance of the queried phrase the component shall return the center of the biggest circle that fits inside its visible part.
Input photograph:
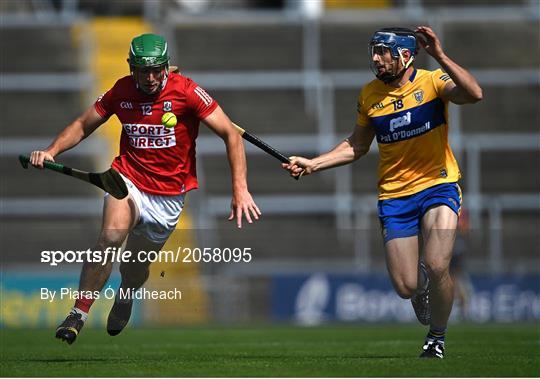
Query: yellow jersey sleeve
(440, 80)
(362, 118)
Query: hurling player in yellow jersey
(406, 110)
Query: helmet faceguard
(149, 53)
(396, 40)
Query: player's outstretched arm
(242, 204)
(465, 88)
(74, 133)
(346, 152)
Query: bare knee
(111, 238)
(405, 289)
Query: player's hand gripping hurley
(109, 181)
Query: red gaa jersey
(157, 159)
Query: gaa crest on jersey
(443, 173)
(419, 96)
(167, 106)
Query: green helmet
(148, 50)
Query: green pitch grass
(360, 350)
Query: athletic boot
(432, 349)
(420, 301)
(70, 328)
(119, 316)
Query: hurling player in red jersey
(157, 164)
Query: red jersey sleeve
(103, 104)
(199, 100)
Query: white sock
(84, 315)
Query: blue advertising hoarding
(311, 299)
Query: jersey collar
(413, 75)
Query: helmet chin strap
(402, 58)
(165, 77)
(388, 78)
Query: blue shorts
(401, 217)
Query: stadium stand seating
(494, 44)
(38, 114)
(262, 111)
(344, 45)
(241, 47)
(50, 49)
(47, 48)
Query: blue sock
(436, 334)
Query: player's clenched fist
(37, 157)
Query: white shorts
(158, 214)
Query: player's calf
(120, 313)
(133, 277)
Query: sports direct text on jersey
(148, 136)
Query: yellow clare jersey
(411, 127)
